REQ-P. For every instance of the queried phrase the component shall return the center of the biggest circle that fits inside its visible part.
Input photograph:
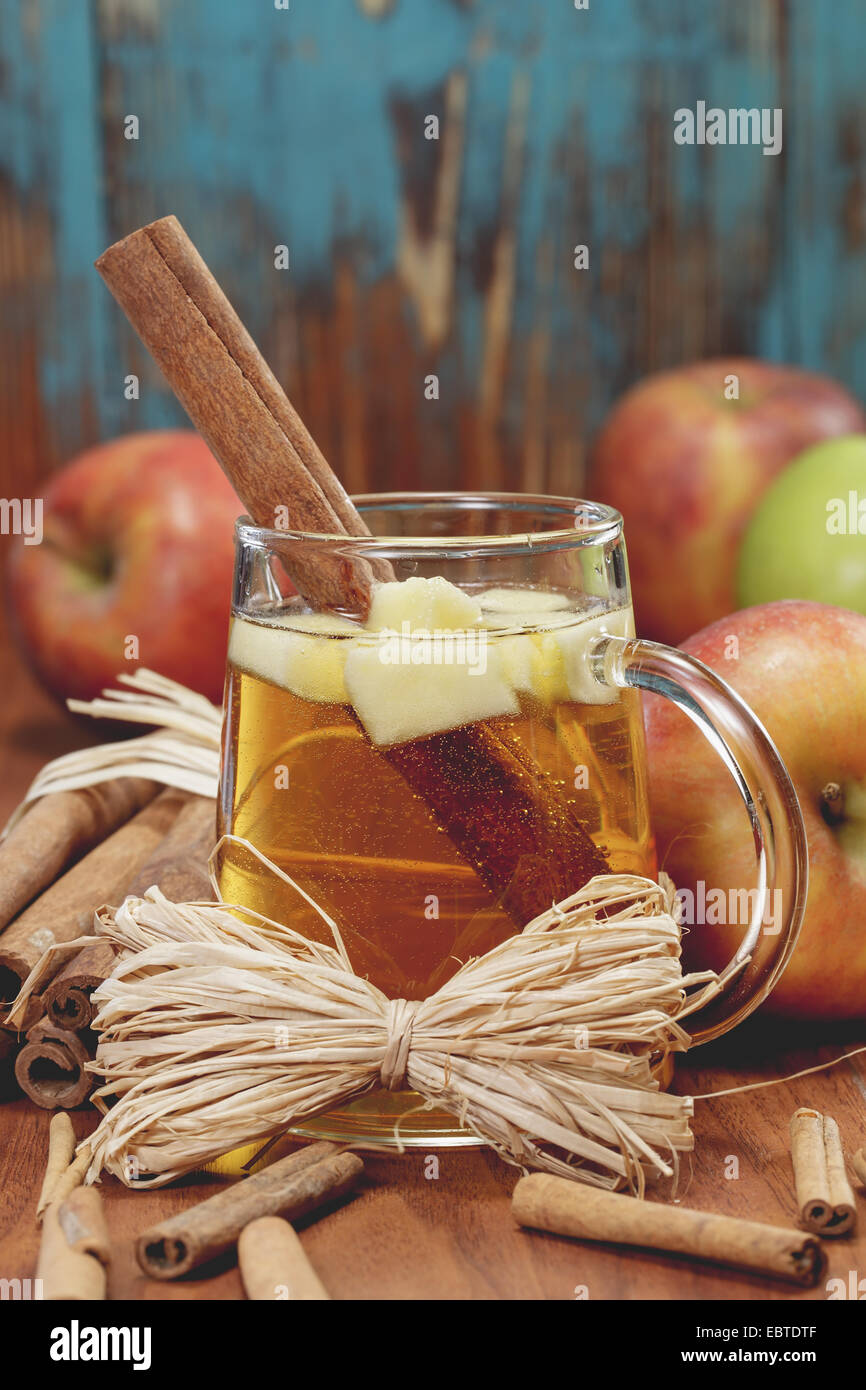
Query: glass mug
(525, 641)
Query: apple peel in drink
(432, 657)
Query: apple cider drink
(325, 715)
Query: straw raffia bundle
(182, 751)
(219, 1027)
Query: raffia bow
(219, 1027)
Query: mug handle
(763, 782)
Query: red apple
(802, 668)
(686, 467)
(137, 546)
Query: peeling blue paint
(261, 126)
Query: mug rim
(602, 523)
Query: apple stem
(832, 803)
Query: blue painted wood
(305, 127)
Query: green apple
(686, 459)
(807, 538)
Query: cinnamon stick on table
(274, 1264)
(570, 1208)
(291, 1187)
(50, 1068)
(8, 1052)
(65, 910)
(75, 1250)
(824, 1196)
(184, 319)
(57, 829)
(61, 1172)
(178, 866)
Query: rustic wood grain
(410, 1235)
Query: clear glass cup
(436, 769)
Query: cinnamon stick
(64, 1170)
(568, 1208)
(470, 777)
(291, 1187)
(65, 910)
(75, 1249)
(8, 1052)
(61, 1147)
(216, 371)
(824, 1194)
(73, 1177)
(68, 999)
(82, 1220)
(56, 830)
(235, 402)
(178, 866)
(50, 1068)
(274, 1265)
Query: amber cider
(304, 783)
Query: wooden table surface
(407, 1236)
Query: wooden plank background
(304, 126)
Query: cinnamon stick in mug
(570, 1208)
(291, 1187)
(533, 856)
(176, 306)
(233, 398)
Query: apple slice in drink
(302, 652)
(412, 691)
(430, 668)
(553, 664)
(427, 661)
(527, 602)
(429, 604)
